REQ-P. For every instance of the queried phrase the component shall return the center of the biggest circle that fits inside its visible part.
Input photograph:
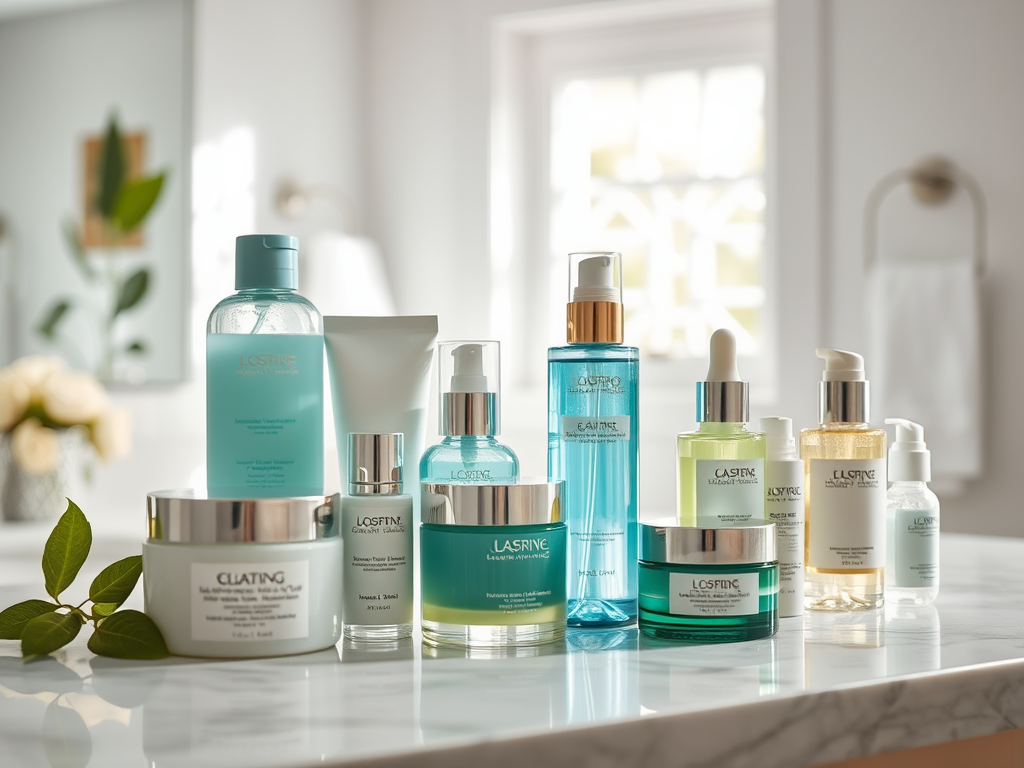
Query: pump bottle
(721, 465)
(912, 520)
(844, 492)
(593, 444)
(469, 415)
(784, 506)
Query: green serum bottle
(721, 464)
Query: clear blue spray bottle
(593, 444)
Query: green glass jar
(708, 584)
(492, 564)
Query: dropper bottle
(721, 464)
(844, 492)
(469, 417)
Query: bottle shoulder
(593, 352)
(265, 312)
(911, 496)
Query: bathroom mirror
(94, 213)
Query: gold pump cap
(594, 312)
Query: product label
(784, 506)
(730, 491)
(377, 582)
(720, 594)
(595, 429)
(847, 526)
(493, 574)
(264, 414)
(916, 548)
(250, 601)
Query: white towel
(924, 342)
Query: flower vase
(25, 496)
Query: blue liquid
(469, 459)
(593, 444)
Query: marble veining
(827, 687)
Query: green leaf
(46, 633)
(112, 170)
(116, 582)
(128, 635)
(74, 243)
(137, 347)
(66, 738)
(136, 200)
(99, 610)
(48, 328)
(66, 550)
(132, 291)
(14, 619)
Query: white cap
(779, 443)
(909, 458)
(596, 280)
(840, 365)
(469, 369)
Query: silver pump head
(723, 397)
(843, 394)
(375, 463)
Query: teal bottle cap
(266, 261)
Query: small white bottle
(784, 506)
(912, 520)
(377, 531)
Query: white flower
(15, 395)
(35, 447)
(112, 434)
(36, 369)
(72, 397)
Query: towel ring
(932, 181)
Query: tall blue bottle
(593, 444)
(265, 379)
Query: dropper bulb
(723, 357)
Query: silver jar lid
(187, 516)
(530, 501)
(666, 541)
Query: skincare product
(469, 415)
(236, 578)
(784, 506)
(721, 465)
(706, 583)
(912, 520)
(265, 379)
(844, 493)
(380, 381)
(593, 443)
(377, 529)
(492, 564)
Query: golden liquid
(839, 590)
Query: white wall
(896, 81)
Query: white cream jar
(236, 578)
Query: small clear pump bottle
(377, 530)
(844, 493)
(721, 464)
(469, 415)
(912, 520)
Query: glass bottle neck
(910, 484)
(722, 427)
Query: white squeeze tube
(784, 506)
(380, 382)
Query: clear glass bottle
(593, 444)
(912, 520)
(721, 465)
(844, 493)
(377, 530)
(469, 416)
(264, 379)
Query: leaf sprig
(44, 626)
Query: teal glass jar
(492, 564)
(708, 584)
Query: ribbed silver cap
(723, 401)
(843, 402)
(666, 541)
(531, 501)
(186, 516)
(375, 463)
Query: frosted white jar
(237, 578)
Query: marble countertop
(827, 687)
